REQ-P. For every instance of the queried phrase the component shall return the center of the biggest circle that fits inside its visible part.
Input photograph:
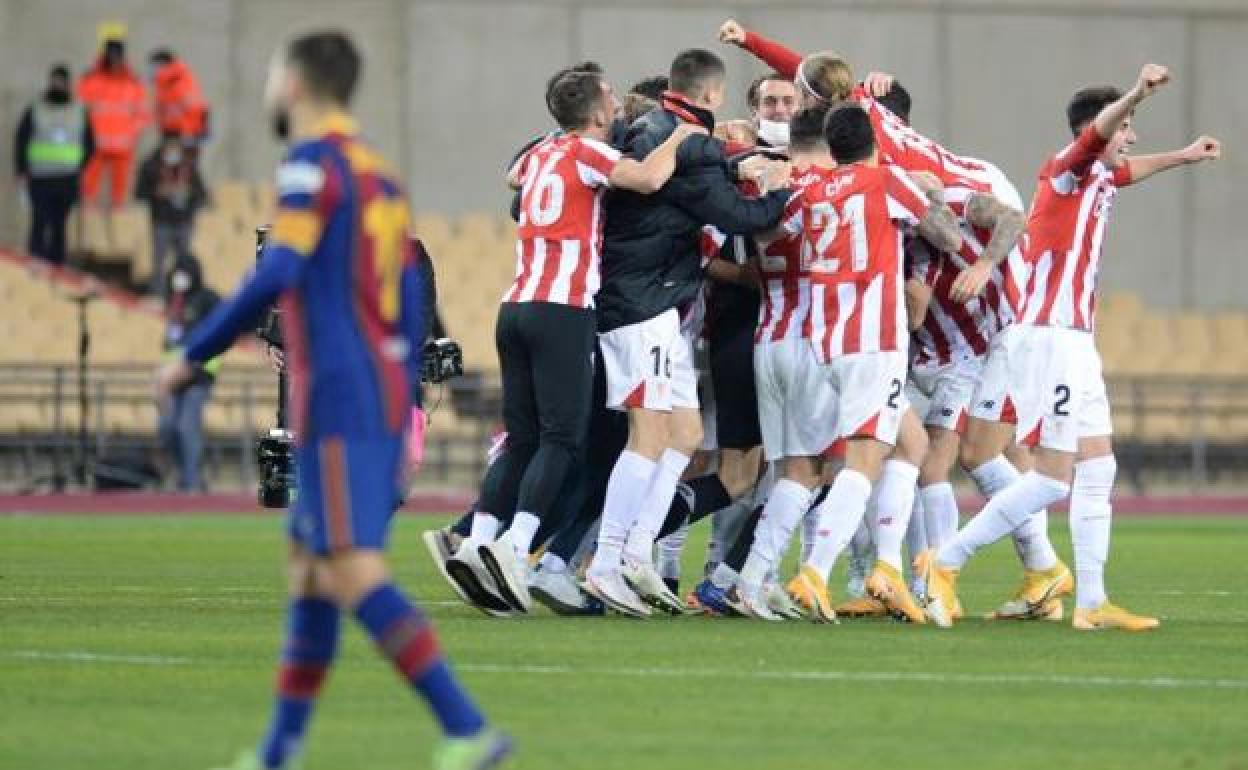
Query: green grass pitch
(149, 643)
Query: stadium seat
(1123, 305)
(435, 231)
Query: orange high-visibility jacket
(180, 106)
(117, 103)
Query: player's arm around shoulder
(649, 175)
(922, 197)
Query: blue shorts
(347, 491)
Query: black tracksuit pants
(545, 352)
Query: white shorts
(992, 400)
(791, 389)
(1058, 388)
(868, 397)
(948, 389)
(649, 365)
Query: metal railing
(41, 434)
(1174, 431)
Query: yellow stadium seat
(477, 228)
(232, 197)
(1124, 305)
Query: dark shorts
(347, 490)
(546, 354)
(732, 379)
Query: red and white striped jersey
(1066, 232)
(950, 330)
(953, 328)
(852, 222)
(693, 313)
(786, 283)
(559, 239)
(901, 145)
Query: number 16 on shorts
(649, 365)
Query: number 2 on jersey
(825, 220)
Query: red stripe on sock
(420, 652)
(301, 680)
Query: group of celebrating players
(832, 265)
(777, 296)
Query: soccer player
(788, 382)
(651, 267)
(342, 265)
(546, 325)
(1055, 381)
(985, 453)
(851, 223)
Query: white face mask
(773, 132)
(172, 156)
(180, 281)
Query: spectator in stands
(117, 103)
(180, 106)
(54, 142)
(182, 416)
(170, 184)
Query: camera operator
(443, 360)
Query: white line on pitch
(919, 677)
(97, 657)
(916, 677)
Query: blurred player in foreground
(341, 264)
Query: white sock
(1031, 539)
(862, 544)
(484, 527)
(940, 513)
(810, 523)
(916, 530)
(839, 516)
(788, 501)
(655, 504)
(723, 577)
(670, 549)
(523, 527)
(1090, 519)
(994, 476)
(726, 524)
(552, 562)
(1002, 515)
(1032, 544)
(630, 478)
(894, 502)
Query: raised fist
(732, 32)
(1204, 148)
(1152, 77)
(878, 84)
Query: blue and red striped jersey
(347, 281)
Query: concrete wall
(451, 88)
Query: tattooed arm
(939, 226)
(985, 211)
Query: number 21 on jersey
(829, 226)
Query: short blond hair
(827, 76)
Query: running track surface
(451, 500)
